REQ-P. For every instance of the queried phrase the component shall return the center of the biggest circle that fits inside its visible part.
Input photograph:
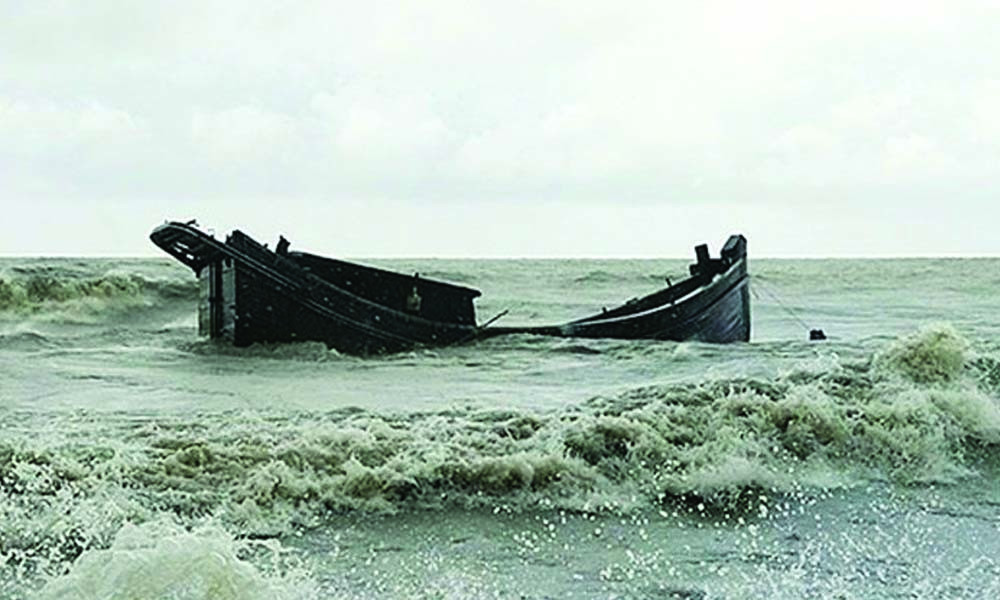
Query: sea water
(138, 460)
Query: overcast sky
(504, 128)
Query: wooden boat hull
(712, 306)
(252, 294)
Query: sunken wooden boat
(712, 305)
(250, 293)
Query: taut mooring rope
(756, 283)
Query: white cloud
(363, 125)
(244, 134)
(911, 154)
(43, 128)
(985, 112)
(612, 104)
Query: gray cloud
(504, 114)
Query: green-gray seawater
(138, 460)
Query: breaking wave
(936, 354)
(916, 413)
(49, 290)
(161, 559)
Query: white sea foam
(126, 441)
(160, 559)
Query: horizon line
(543, 257)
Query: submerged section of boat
(712, 305)
(250, 294)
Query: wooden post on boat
(703, 264)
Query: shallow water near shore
(139, 460)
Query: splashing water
(137, 460)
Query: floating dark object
(816, 335)
(252, 294)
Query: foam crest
(32, 292)
(160, 559)
(935, 354)
(68, 482)
(65, 293)
(297, 351)
(716, 441)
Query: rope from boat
(496, 318)
(478, 330)
(757, 283)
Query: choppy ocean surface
(140, 461)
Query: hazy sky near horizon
(514, 128)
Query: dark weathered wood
(252, 294)
(711, 306)
(438, 301)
